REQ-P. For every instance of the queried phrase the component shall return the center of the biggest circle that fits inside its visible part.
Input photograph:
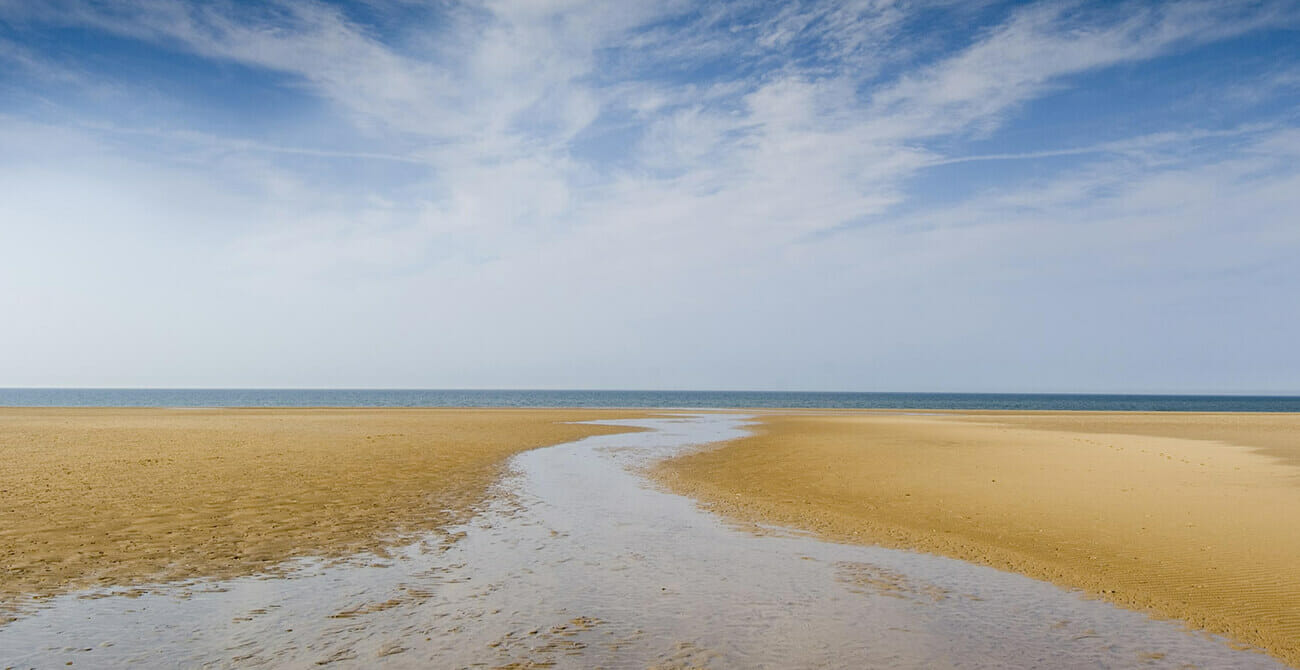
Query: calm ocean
(700, 399)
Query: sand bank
(96, 496)
(598, 570)
(1193, 516)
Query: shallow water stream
(581, 563)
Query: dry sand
(96, 496)
(1192, 516)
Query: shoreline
(1139, 509)
(577, 563)
(1179, 514)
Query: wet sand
(578, 562)
(1191, 516)
(96, 496)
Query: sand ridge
(111, 496)
(1191, 516)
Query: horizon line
(1201, 393)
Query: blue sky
(911, 196)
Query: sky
(853, 195)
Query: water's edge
(580, 562)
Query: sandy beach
(99, 496)
(1191, 516)
(579, 563)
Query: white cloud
(762, 218)
(1040, 44)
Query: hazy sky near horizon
(878, 195)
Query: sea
(101, 397)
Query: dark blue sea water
(701, 399)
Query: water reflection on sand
(581, 563)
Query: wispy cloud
(518, 157)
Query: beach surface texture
(1191, 516)
(99, 496)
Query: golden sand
(125, 496)
(1191, 516)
